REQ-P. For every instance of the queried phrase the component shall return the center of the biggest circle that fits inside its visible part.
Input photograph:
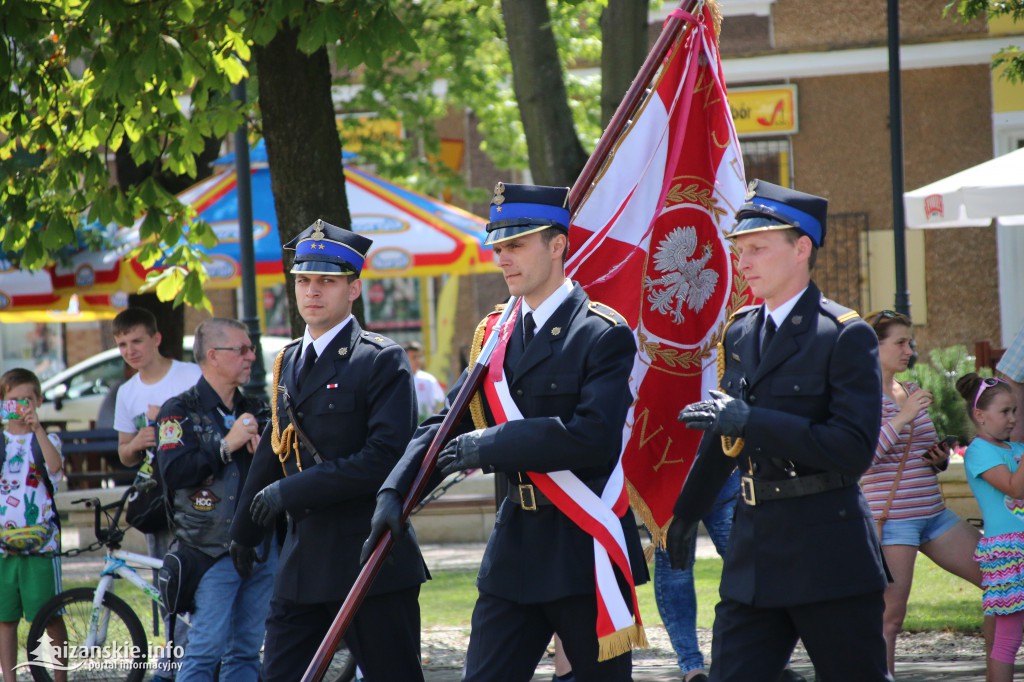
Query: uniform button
(519, 391)
(330, 406)
(554, 385)
(301, 415)
(753, 398)
(231, 497)
(796, 387)
(842, 513)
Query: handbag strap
(896, 482)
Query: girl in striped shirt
(904, 470)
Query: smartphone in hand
(13, 409)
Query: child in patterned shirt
(29, 528)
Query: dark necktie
(527, 329)
(769, 334)
(308, 360)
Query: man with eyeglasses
(206, 438)
(798, 411)
(155, 380)
(344, 408)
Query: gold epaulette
(476, 404)
(607, 312)
(852, 315)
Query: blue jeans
(673, 588)
(229, 622)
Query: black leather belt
(756, 491)
(529, 496)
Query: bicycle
(105, 636)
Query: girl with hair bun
(996, 478)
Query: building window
(767, 160)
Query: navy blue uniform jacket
(571, 384)
(358, 406)
(815, 401)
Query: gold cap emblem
(499, 194)
(751, 189)
(555, 331)
(318, 230)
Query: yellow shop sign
(764, 111)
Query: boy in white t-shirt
(139, 399)
(430, 396)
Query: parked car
(75, 394)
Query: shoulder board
(376, 339)
(607, 312)
(290, 344)
(839, 313)
(743, 311)
(498, 309)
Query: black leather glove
(387, 514)
(243, 558)
(461, 453)
(680, 543)
(720, 414)
(267, 505)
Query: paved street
(467, 556)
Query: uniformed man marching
(550, 422)
(800, 405)
(344, 408)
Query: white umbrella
(973, 197)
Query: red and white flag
(649, 240)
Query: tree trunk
(303, 145)
(170, 322)
(556, 155)
(624, 46)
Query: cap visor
(319, 267)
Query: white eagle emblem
(684, 280)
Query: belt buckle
(526, 490)
(747, 490)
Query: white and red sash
(618, 631)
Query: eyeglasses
(241, 350)
(985, 385)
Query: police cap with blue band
(771, 207)
(518, 210)
(325, 249)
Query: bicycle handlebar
(109, 533)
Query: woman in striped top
(916, 518)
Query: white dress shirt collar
(325, 339)
(782, 312)
(546, 309)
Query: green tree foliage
(939, 375)
(463, 65)
(85, 77)
(1010, 57)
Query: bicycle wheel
(343, 666)
(121, 646)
